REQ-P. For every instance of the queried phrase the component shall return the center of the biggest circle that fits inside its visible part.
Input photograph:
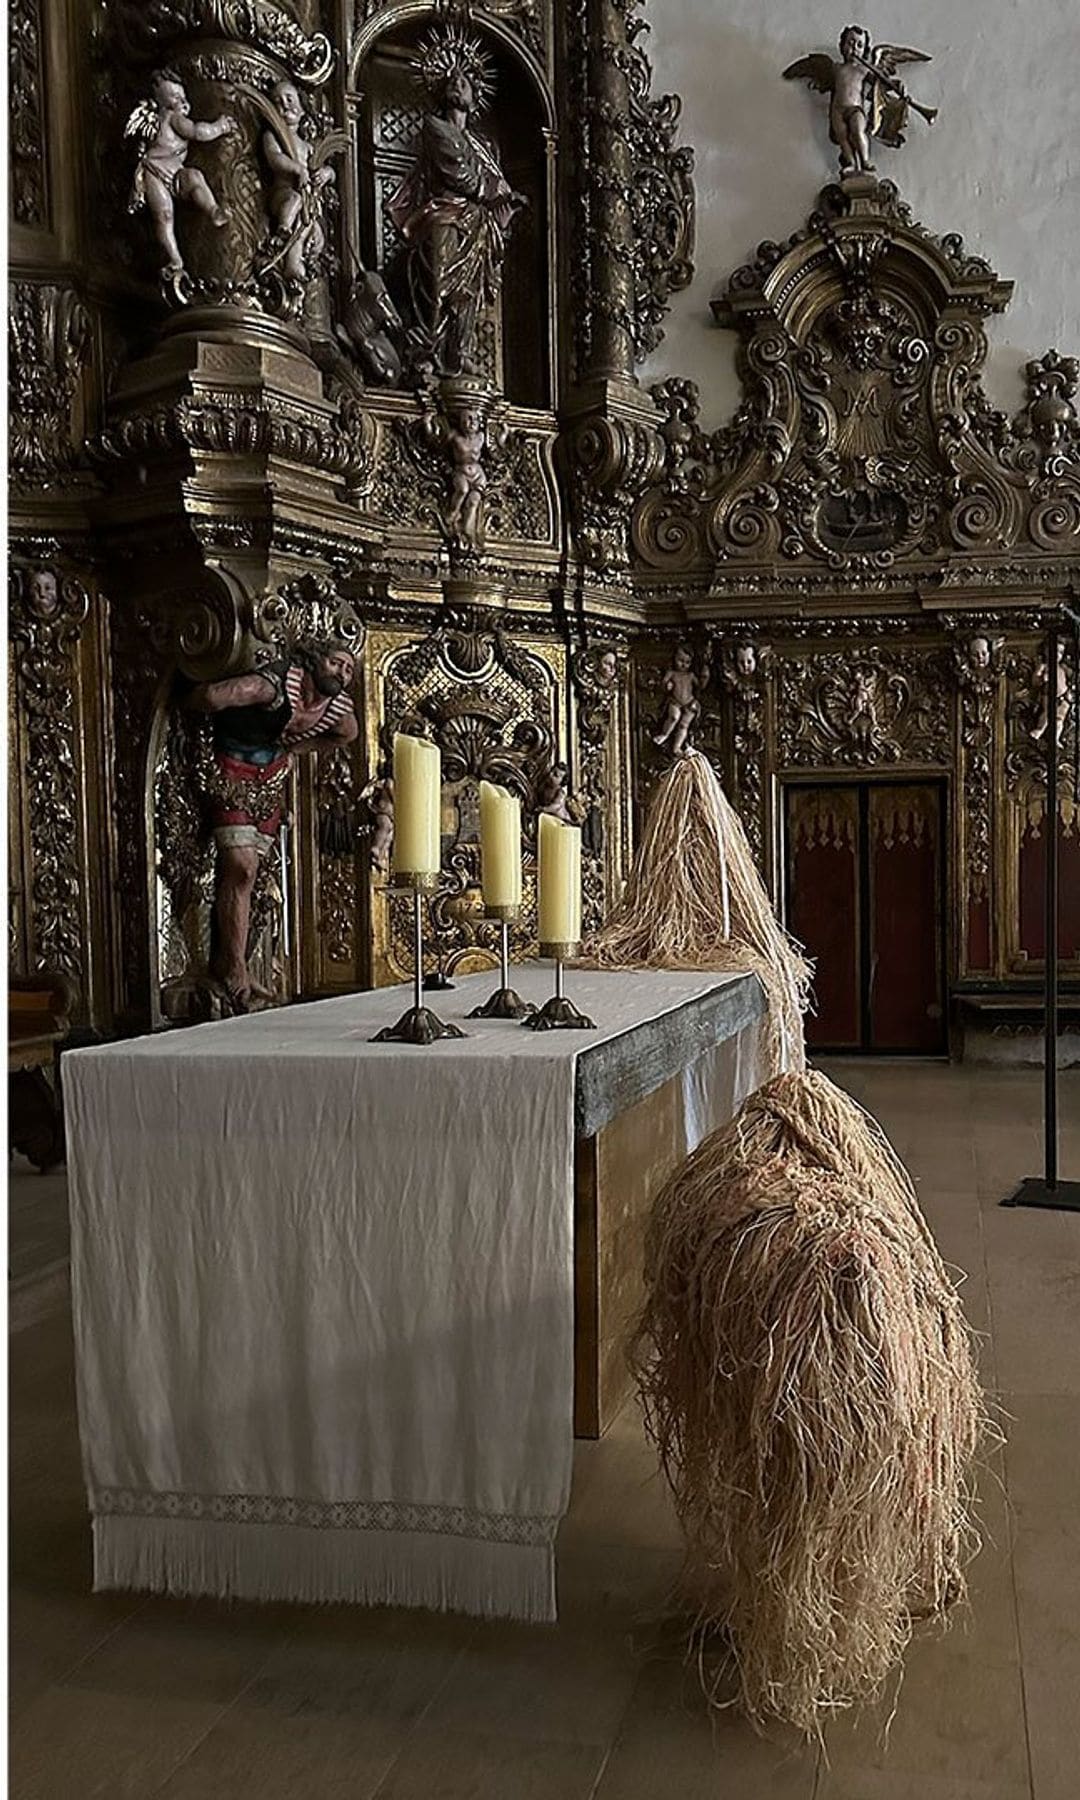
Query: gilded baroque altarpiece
(335, 331)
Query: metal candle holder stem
(559, 1013)
(419, 1025)
(504, 1003)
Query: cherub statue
(466, 431)
(379, 800)
(867, 100)
(164, 129)
(553, 794)
(1055, 698)
(466, 441)
(299, 176)
(681, 687)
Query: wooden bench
(1016, 1011)
(39, 1019)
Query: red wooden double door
(866, 895)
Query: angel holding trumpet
(867, 99)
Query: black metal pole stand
(504, 1003)
(419, 1025)
(1046, 1190)
(559, 1013)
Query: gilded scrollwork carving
(48, 613)
(49, 337)
(613, 460)
(310, 608)
(864, 709)
(865, 442)
(598, 673)
(529, 17)
(662, 199)
(744, 666)
(979, 665)
(635, 184)
(221, 420)
(340, 806)
(26, 94)
(147, 27)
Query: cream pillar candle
(417, 801)
(560, 882)
(500, 846)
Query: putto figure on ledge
(165, 129)
(299, 175)
(682, 706)
(867, 99)
(455, 206)
(260, 721)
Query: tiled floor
(122, 1698)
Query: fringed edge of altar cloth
(304, 1564)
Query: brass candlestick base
(417, 1026)
(559, 1013)
(504, 1003)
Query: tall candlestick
(500, 847)
(560, 882)
(417, 804)
(560, 919)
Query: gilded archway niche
(496, 708)
(397, 93)
(865, 442)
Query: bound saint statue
(455, 207)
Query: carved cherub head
(979, 652)
(169, 91)
(607, 668)
(43, 592)
(683, 657)
(855, 43)
(289, 103)
(745, 659)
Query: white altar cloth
(323, 1294)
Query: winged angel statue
(867, 100)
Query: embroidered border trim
(327, 1515)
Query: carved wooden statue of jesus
(454, 208)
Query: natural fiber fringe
(299, 1563)
(694, 900)
(808, 1378)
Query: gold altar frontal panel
(617, 1174)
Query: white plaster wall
(1001, 165)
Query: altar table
(326, 1293)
